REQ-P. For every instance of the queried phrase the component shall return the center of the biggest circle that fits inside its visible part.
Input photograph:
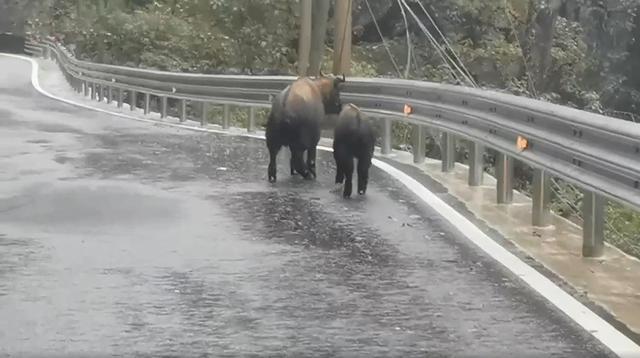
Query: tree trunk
(304, 42)
(540, 34)
(320, 16)
(342, 37)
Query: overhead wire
(524, 59)
(344, 33)
(433, 43)
(384, 42)
(443, 55)
(446, 42)
(409, 46)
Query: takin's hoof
(272, 179)
(361, 192)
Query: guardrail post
(504, 175)
(593, 226)
(163, 106)
(120, 97)
(101, 92)
(386, 136)
(94, 91)
(448, 151)
(225, 116)
(418, 144)
(133, 96)
(204, 116)
(476, 164)
(251, 126)
(109, 94)
(86, 88)
(541, 199)
(147, 105)
(183, 110)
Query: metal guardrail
(599, 154)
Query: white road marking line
(617, 342)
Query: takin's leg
(364, 163)
(311, 160)
(298, 162)
(291, 165)
(274, 147)
(338, 154)
(347, 167)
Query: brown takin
(353, 137)
(294, 121)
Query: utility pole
(342, 38)
(320, 16)
(304, 44)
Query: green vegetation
(580, 53)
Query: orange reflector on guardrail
(522, 143)
(408, 109)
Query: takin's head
(330, 89)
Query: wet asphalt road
(123, 238)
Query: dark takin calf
(353, 137)
(294, 121)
